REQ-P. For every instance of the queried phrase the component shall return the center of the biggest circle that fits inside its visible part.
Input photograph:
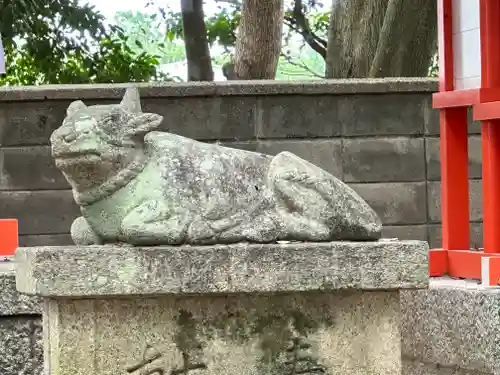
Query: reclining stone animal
(140, 186)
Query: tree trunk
(381, 38)
(258, 45)
(195, 38)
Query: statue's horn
(131, 100)
(75, 107)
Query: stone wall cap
(99, 271)
(224, 88)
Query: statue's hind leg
(303, 209)
(317, 206)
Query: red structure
(8, 237)
(469, 76)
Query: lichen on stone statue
(140, 186)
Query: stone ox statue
(140, 186)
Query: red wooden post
(454, 179)
(473, 44)
(490, 78)
(453, 140)
(9, 239)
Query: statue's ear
(75, 107)
(131, 101)
(144, 123)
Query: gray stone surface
(29, 168)
(435, 235)
(383, 159)
(434, 160)
(406, 115)
(21, 350)
(20, 328)
(396, 203)
(215, 118)
(123, 270)
(475, 201)
(354, 333)
(412, 367)
(144, 187)
(454, 324)
(326, 154)
(45, 240)
(40, 212)
(115, 91)
(405, 232)
(294, 117)
(11, 301)
(432, 125)
(235, 110)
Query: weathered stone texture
(117, 270)
(434, 160)
(383, 159)
(382, 115)
(476, 235)
(412, 367)
(475, 201)
(354, 333)
(432, 125)
(29, 168)
(294, 117)
(40, 212)
(326, 154)
(242, 308)
(454, 325)
(11, 301)
(21, 350)
(396, 203)
(405, 232)
(45, 240)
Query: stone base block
(451, 329)
(244, 309)
(308, 333)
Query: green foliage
(61, 41)
(434, 68)
(221, 27)
(146, 32)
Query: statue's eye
(113, 117)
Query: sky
(109, 7)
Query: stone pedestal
(452, 328)
(296, 308)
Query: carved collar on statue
(112, 185)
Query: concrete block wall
(379, 136)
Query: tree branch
(303, 28)
(301, 65)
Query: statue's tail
(317, 206)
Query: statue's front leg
(83, 234)
(152, 223)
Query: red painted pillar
(453, 140)
(491, 185)
(454, 179)
(8, 237)
(490, 78)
